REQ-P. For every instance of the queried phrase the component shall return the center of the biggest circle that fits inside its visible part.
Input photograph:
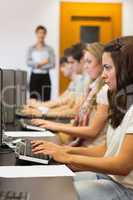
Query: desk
(7, 159)
(53, 188)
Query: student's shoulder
(102, 95)
(130, 111)
(128, 118)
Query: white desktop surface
(27, 134)
(33, 135)
(35, 171)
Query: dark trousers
(40, 86)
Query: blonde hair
(96, 49)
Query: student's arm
(69, 109)
(95, 127)
(62, 100)
(96, 151)
(63, 105)
(121, 164)
(49, 147)
(42, 146)
(66, 111)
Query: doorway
(87, 22)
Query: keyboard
(11, 195)
(27, 124)
(24, 152)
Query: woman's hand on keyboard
(40, 122)
(59, 153)
(44, 147)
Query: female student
(111, 163)
(92, 117)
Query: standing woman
(40, 59)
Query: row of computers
(13, 92)
(13, 86)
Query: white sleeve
(129, 121)
(102, 96)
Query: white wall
(18, 19)
(105, 1)
(127, 17)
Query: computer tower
(8, 95)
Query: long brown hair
(121, 51)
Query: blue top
(35, 56)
